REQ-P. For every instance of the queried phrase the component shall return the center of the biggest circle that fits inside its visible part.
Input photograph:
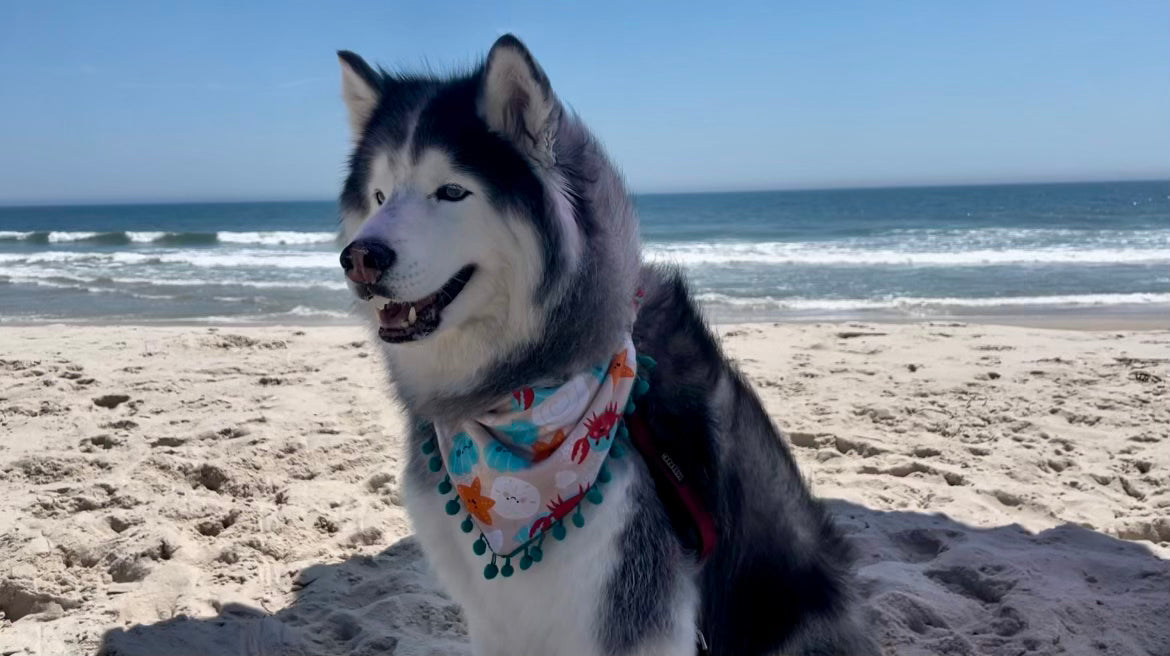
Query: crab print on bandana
(525, 464)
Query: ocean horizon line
(48, 204)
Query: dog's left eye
(451, 192)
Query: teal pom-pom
(490, 570)
(445, 486)
(558, 531)
(428, 447)
(537, 554)
(435, 464)
(453, 506)
(646, 362)
(630, 407)
(507, 570)
(578, 519)
(594, 495)
(617, 450)
(641, 387)
(623, 431)
(480, 546)
(526, 561)
(466, 525)
(603, 475)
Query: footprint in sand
(916, 614)
(110, 401)
(920, 545)
(103, 441)
(213, 527)
(120, 523)
(982, 584)
(19, 598)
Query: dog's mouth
(408, 321)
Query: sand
(186, 490)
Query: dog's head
(488, 238)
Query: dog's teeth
(412, 316)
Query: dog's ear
(361, 89)
(517, 102)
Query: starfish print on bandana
(477, 504)
(542, 450)
(619, 369)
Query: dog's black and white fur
(484, 188)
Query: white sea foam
(58, 237)
(282, 259)
(306, 311)
(277, 238)
(63, 277)
(1030, 234)
(286, 259)
(264, 238)
(909, 240)
(299, 312)
(797, 253)
(912, 303)
(145, 237)
(688, 254)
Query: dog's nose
(365, 260)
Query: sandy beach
(171, 491)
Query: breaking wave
(59, 278)
(122, 238)
(911, 303)
(279, 259)
(797, 253)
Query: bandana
(522, 468)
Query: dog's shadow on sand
(387, 603)
(931, 586)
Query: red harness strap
(673, 487)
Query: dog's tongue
(401, 316)
(393, 314)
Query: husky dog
(492, 246)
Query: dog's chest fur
(565, 604)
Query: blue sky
(127, 101)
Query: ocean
(905, 253)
